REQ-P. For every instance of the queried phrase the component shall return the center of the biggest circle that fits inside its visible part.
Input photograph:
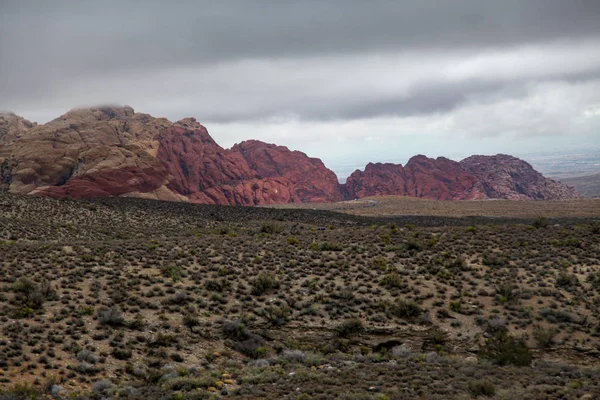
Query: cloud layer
(345, 80)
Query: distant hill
(588, 186)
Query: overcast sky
(346, 81)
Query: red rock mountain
(114, 151)
(507, 177)
(441, 179)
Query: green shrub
(412, 244)
(508, 293)
(594, 279)
(393, 280)
(566, 280)
(481, 388)
(263, 283)
(504, 349)
(122, 354)
(540, 222)
(111, 317)
(326, 246)
(494, 260)
(171, 271)
(380, 262)
(406, 309)
(31, 295)
(271, 228)
(349, 328)
(544, 336)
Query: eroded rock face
(90, 152)
(508, 177)
(440, 179)
(113, 151)
(305, 178)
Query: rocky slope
(507, 177)
(114, 151)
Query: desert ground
(391, 298)
(390, 206)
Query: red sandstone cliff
(441, 179)
(113, 151)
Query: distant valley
(588, 186)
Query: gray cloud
(426, 67)
(44, 43)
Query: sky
(348, 81)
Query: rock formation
(507, 177)
(441, 179)
(113, 151)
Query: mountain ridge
(114, 151)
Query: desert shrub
(494, 260)
(87, 356)
(594, 279)
(455, 306)
(163, 340)
(32, 295)
(393, 280)
(122, 354)
(263, 283)
(102, 386)
(253, 346)
(380, 262)
(414, 245)
(234, 330)
(595, 228)
(327, 246)
(171, 271)
(87, 368)
(244, 341)
(215, 285)
(405, 309)
(504, 349)
(111, 316)
(436, 337)
(481, 388)
(223, 230)
(349, 328)
(297, 356)
(271, 228)
(277, 316)
(508, 293)
(21, 391)
(495, 326)
(293, 240)
(554, 316)
(259, 363)
(544, 336)
(566, 280)
(401, 351)
(190, 320)
(540, 222)
(190, 383)
(138, 323)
